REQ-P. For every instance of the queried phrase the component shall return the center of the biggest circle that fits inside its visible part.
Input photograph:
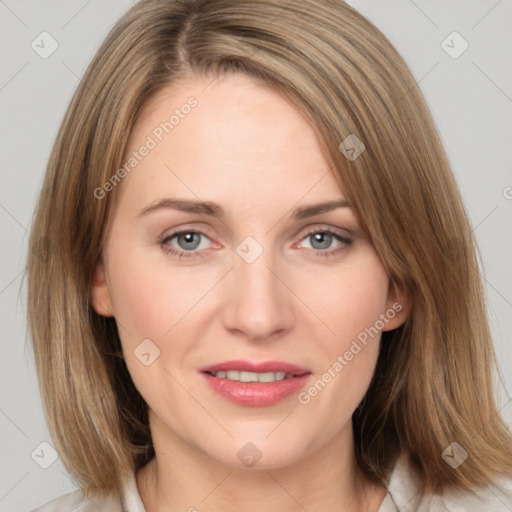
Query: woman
(263, 289)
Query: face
(216, 261)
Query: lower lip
(256, 394)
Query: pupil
(186, 241)
(323, 239)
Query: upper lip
(256, 367)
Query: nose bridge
(259, 304)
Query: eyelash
(326, 253)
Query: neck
(180, 477)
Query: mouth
(241, 376)
(255, 384)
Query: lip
(258, 367)
(256, 394)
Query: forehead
(211, 136)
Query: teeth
(252, 376)
(248, 377)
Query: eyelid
(320, 227)
(344, 241)
(203, 229)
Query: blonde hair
(433, 381)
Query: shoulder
(77, 501)
(496, 497)
(404, 486)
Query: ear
(100, 295)
(398, 306)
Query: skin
(248, 149)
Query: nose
(259, 304)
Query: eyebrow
(215, 210)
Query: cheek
(349, 302)
(157, 302)
(149, 300)
(138, 302)
(148, 296)
(347, 299)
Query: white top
(402, 496)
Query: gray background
(470, 97)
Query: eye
(325, 242)
(321, 240)
(185, 243)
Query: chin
(260, 453)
